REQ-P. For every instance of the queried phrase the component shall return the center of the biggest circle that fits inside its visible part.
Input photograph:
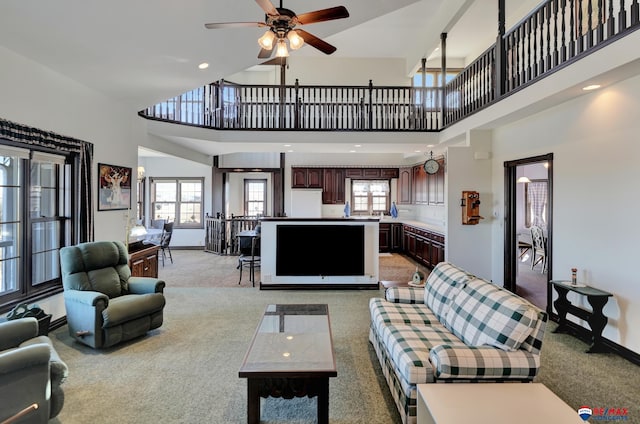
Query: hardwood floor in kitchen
(532, 283)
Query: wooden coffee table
(291, 355)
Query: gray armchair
(31, 372)
(105, 304)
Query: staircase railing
(221, 234)
(226, 105)
(555, 34)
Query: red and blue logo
(603, 414)
(585, 412)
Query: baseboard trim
(585, 335)
(57, 323)
(187, 248)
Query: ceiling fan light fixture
(266, 41)
(295, 41)
(281, 48)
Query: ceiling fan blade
(329, 14)
(279, 61)
(314, 41)
(265, 54)
(218, 25)
(268, 7)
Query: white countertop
(418, 224)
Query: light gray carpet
(187, 371)
(196, 268)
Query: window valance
(82, 152)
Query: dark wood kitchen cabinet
(424, 246)
(384, 244)
(425, 188)
(405, 186)
(396, 237)
(420, 187)
(333, 186)
(371, 173)
(306, 177)
(390, 239)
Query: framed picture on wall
(114, 187)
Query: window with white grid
(369, 196)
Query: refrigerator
(306, 203)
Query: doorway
(529, 206)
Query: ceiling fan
(282, 26)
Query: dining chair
(539, 242)
(158, 224)
(250, 260)
(165, 241)
(523, 246)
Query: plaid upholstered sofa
(459, 328)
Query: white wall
(36, 96)
(595, 176)
(465, 244)
(322, 70)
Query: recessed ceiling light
(289, 151)
(287, 145)
(429, 145)
(352, 151)
(417, 151)
(357, 145)
(591, 87)
(203, 65)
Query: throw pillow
(442, 285)
(484, 314)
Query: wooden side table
(596, 319)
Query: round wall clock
(431, 166)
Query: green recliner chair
(105, 304)
(31, 373)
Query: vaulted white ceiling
(141, 52)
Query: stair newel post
(370, 104)
(221, 112)
(443, 76)
(296, 88)
(501, 63)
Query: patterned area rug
(196, 268)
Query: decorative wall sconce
(140, 172)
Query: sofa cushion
(129, 307)
(400, 313)
(484, 314)
(443, 283)
(408, 348)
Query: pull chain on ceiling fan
(282, 25)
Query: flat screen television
(320, 250)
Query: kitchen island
(319, 253)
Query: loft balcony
(554, 35)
